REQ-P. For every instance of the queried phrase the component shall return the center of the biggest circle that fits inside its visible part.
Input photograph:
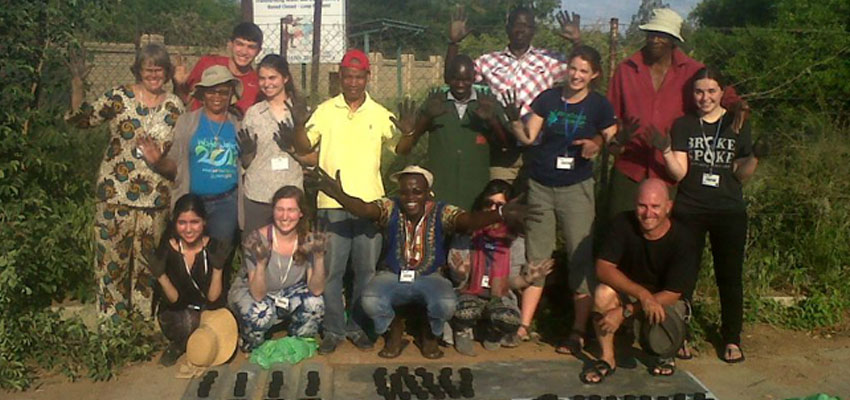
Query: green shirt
(459, 154)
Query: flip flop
(684, 352)
(664, 367)
(733, 360)
(599, 367)
(573, 345)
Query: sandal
(664, 367)
(524, 336)
(728, 352)
(573, 345)
(600, 368)
(684, 352)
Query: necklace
(216, 132)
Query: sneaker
(170, 355)
(464, 343)
(362, 342)
(328, 345)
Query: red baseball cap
(355, 58)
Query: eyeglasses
(223, 92)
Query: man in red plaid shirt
(520, 67)
(527, 71)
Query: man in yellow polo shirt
(350, 130)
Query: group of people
(232, 148)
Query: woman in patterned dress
(131, 199)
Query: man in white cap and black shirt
(648, 94)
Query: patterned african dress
(131, 199)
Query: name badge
(281, 302)
(280, 164)
(407, 276)
(565, 163)
(710, 180)
(485, 281)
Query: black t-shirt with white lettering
(668, 263)
(704, 157)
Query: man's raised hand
(406, 121)
(570, 27)
(457, 29)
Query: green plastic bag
(819, 396)
(289, 349)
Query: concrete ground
(780, 364)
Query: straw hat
(215, 339)
(666, 338)
(216, 75)
(666, 21)
(414, 169)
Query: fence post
(612, 64)
(284, 38)
(317, 49)
(247, 10)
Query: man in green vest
(463, 123)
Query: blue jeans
(385, 292)
(222, 218)
(349, 237)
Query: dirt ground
(780, 364)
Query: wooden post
(604, 175)
(247, 10)
(317, 48)
(284, 39)
(612, 47)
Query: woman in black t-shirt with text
(711, 160)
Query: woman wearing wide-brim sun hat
(204, 159)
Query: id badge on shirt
(710, 180)
(485, 281)
(280, 164)
(566, 163)
(282, 302)
(407, 276)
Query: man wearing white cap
(415, 230)
(648, 94)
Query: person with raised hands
(131, 197)
(570, 124)
(266, 142)
(187, 267)
(464, 125)
(416, 229)
(519, 67)
(349, 132)
(284, 274)
(711, 160)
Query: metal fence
(392, 77)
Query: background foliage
(789, 58)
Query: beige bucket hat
(666, 21)
(216, 75)
(414, 169)
(215, 339)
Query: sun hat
(666, 21)
(414, 169)
(356, 59)
(215, 339)
(216, 75)
(665, 338)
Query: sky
(594, 11)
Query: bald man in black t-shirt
(647, 263)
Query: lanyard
(289, 264)
(713, 143)
(411, 255)
(189, 270)
(567, 132)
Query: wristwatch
(627, 312)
